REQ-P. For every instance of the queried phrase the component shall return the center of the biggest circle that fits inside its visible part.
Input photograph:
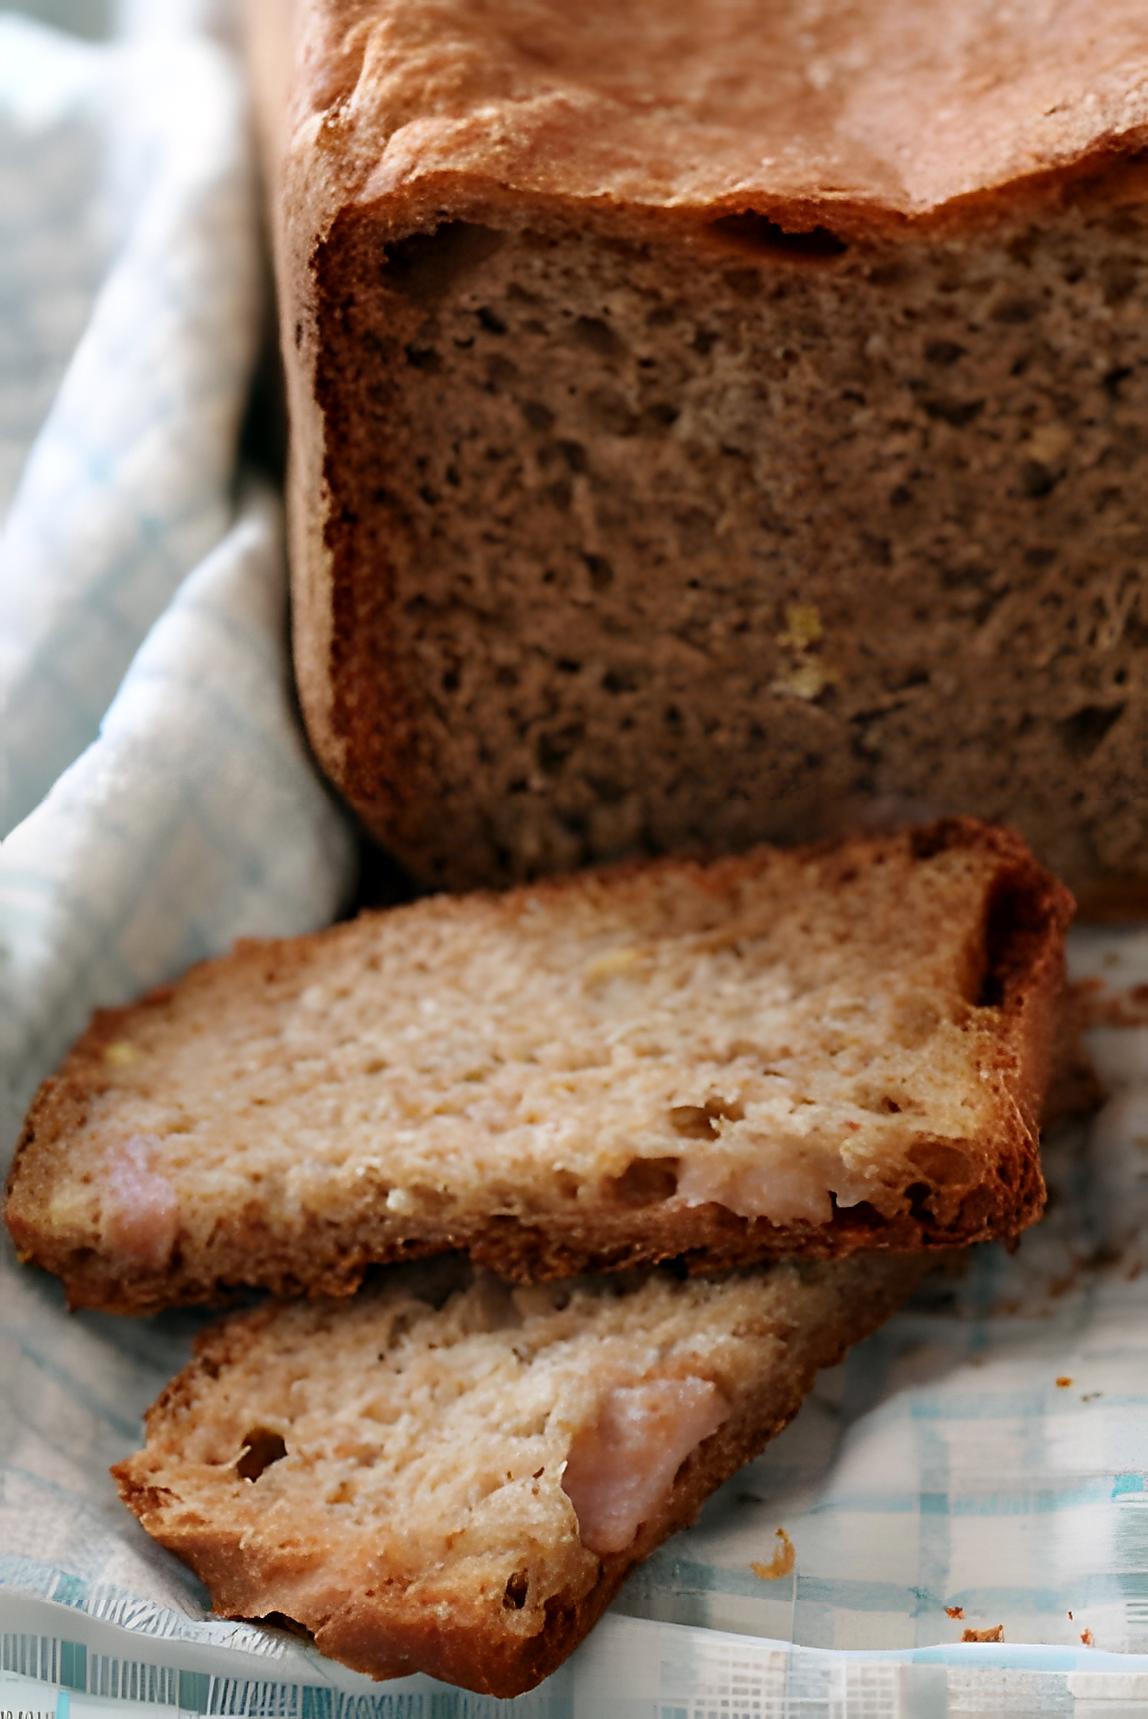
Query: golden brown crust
(880, 113)
(446, 1631)
(997, 1191)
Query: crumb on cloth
(955, 1611)
(995, 1633)
(1086, 1637)
(782, 1562)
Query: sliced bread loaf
(786, 1052)
(717, 421)
(459, 1485)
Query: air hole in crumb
(943, 352)
(646, 1182)
(703, 1121)
(621, 680)
(538, 416)
(567, 1184)
(759, 233)
(261, 1450)
(958, 413)
(553, 748)
(600, 570)
(1013, 310)
(424, 266)
(423, 358)
(516, 1590)
(1037, 480)
(1083, 732)
(597, 336)
(920, 1196)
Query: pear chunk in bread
(800, 1052)
(457, 1480)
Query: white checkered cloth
(160, 801)
(155, 791)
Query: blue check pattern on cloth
(157, 801)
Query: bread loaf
(788, 1052)
(718, 422)
(460, 1485)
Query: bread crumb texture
(626, 339)
(790, 1051)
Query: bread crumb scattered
(996, 1633)
(782, 1562)
(955, 1611)
(120, 1054)
(1086, 1637)
(1063, 1382)
(1069, 1616)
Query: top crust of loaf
(871, 113)
(584, 1072)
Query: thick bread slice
(786, 1052)
(460, 1489)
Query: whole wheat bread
(789, 1052)
(459, 1486)
(717, 422)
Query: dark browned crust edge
(382, 1633)
(1028, 914)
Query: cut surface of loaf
(784, 1052)
(718, 422)
(458, 1481)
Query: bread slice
(787, 1052)
(717, 422)
(459, 1486)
